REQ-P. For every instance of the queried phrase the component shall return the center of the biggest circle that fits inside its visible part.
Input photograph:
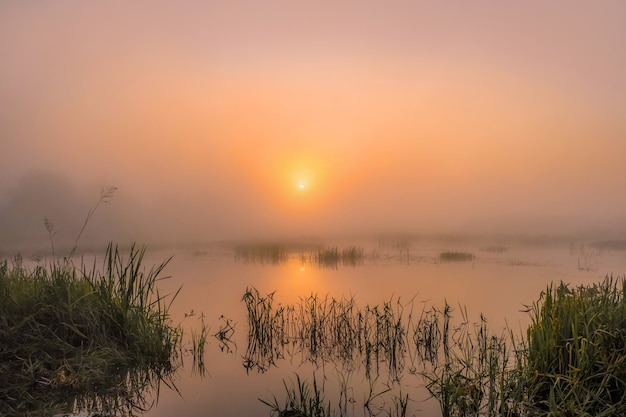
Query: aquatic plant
(570, 362)
(261, 253)
(449, 256)
(474, 376)
(332, 257)
(77, 339)
(302, 400)
(322, 329)
(577, 350)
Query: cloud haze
(404, 118)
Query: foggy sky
(400, 117)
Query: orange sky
(400, 116)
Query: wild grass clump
(456, 256)
(332, 257)
(262, 253)
(571, 362)
(266, 327)
(473, 372)
(303, 400)
(577, 350)
(85, 340)
(324, 329)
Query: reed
(577, 350)
(262, 253)
(77, 339)
(303, 399)
(333, 256)
(449, 256)
(570, 362)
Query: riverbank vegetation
(77, 338)
(570, 362)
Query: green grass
(570, 362)
(85, 340)
(577, 350)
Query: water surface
(501, 280)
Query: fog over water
(402, 117)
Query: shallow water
(496, 284)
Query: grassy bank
(85, 340)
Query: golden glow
(306, 120)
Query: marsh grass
(262, 253)
(494, 249)
(570, 362)
(323, 329)
(450, 256)
(303, 399)
(332, 257)
(225, 335)
(474, 377)
(280, 253)
(77, 339)
(577, 350)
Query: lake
(505, 276)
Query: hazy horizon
(237, 120)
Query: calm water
(496, 284)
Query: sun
(301, 186)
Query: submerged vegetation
(571, 362)
(85, 340)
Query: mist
(494, 119)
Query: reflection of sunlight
(294, 280)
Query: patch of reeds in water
(303, 399)
(571, 363)
(450, 256)
(320, 330)
(261, 253)
(85, 340)
(577, 350)
(333, 257)
(279, 253)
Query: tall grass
(279, 253)
(571, 362)
(577, 350)
(450, 256)
(303, 399)
(322, 329)
(333, 257)
(262, 253)
(76, 339)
